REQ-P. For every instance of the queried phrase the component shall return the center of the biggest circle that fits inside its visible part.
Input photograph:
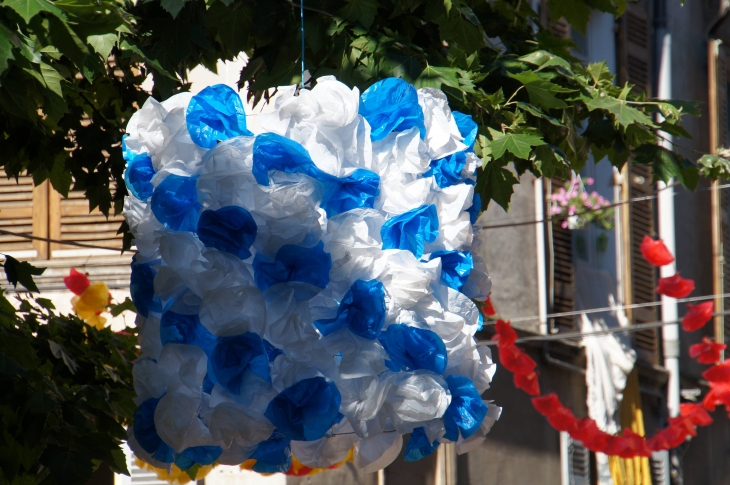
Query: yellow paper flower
(89, 304)
(175, 475)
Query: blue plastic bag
(185, 329)
(306, 410)
(230, 229)
(411, 230)
(294, 263)
(413, 348)
(142, 289)
(418, 446)
(275, 152)
(138, 174)
(197, 455)
(466, 410)
(362, 310)
(357, 191)
(273, 455)
(175, 203)
(476, 207)
(447, 171)
(455, 267)
(215, 114)
(232, 357)
(145, 432)
(467, 128)
(391, 105)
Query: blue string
(301, 14)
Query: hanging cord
(567, 335)
(46, 239)
(301, 15)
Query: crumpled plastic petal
(215, 114)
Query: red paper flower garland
(629, 444)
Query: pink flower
(589, 181)
(571, 210)
(564, 225)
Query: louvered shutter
(22, 210)
(576, 466)
(562, 270)
(721, 101)
(660, 468)
(634, 55)
(634, 46)
(724, 262)
(72, 221)
(643, 275)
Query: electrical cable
(617, 307)
(568, 335)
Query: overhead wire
(588, 211)
(613, 308)
(569, 335)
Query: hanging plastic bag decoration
(309, 290)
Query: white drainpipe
(670, 333)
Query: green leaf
(665, 164)
(362, 11)
(495, 183)
(576, 12)
(519, 144)
(68, 467)
(545, 59)
(60, 353)
(623, 114)
(173, 6)
(600, 73)
(7, 39)
(435, 77)
(535, 111)
(455, 29)
(60, 177)
(30, 8)
(541, 91)
(102, 44)
(52, 78)
(127, 304)
(714, 167)
(17, 272)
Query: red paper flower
(719, 395)
(488, 308)
(627, 445)
(719, 374)
(695, 413)
(545, 405)
(697, 316)
(515, 360)
(675, 286)
(76, 282)
(505, 334)
(656, 252)
(707, 352)
(527, 382)
(593, 438)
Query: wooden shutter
(634, 46)
(576, 466)
(642, 274)
(724, 263)
(562, 275)
(660, 468)
(23, 210)
(721, 66)
(72, 221)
